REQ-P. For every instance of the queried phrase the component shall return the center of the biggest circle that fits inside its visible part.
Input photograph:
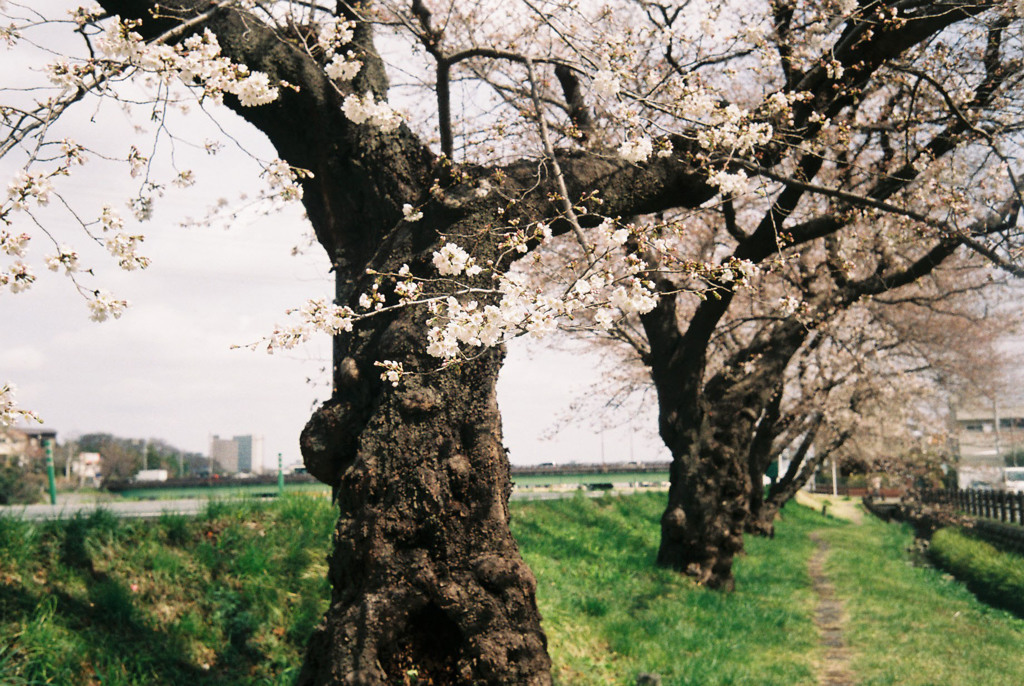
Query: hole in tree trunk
(426, 653)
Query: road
(131, 509)
(69, 506)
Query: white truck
(1013, 479)
(151, 475)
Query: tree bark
(763, 509)
(426, 577)
(428, 583)
(708, 504)
(710, 427)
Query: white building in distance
(987, 436)
(238, 454)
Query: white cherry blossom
(636, 150)
(104, 306)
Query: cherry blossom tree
(427, 579)
(875, 146)
(876, 384)
(435, 143)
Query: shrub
(996, 577)
(20, 486)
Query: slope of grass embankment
(994, 575)
(230, 597)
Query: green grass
(610, 614)
(995, 576)
(222, 492)
(910, 624)
(230, 598)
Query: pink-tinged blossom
(606, 83)
(373, 299)
(407, 291)
(29, 186)
(110, 219)
(334, 35)
(788, 305)
(392, 373)
(65, 257)
(317, 315)
(604, 318)
(729, 183)
(124, 247)
(137, 162)
(343, 68)
(451, 260)
(66, 74)
(10, 413)
(283, 178)
(80, 15)
(255, 90)
(14, 245)
(73, 152)
(197, 59)
(20, 277)
(104, 306)
(410, 213)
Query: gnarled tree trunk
(426, 577)
(702, 526)
(710, 426)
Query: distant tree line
(124, 457)
(24, 482)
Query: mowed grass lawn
(914, 625)
(230, 598)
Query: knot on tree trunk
(674, 523)
(328, 441)
(496, 573)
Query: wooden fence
(998, 505)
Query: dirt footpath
(840, 506)
(829, 617)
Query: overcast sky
(167, 369)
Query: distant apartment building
(238, 454)
(985, 436)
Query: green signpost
(280, 476)
(48, 445)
